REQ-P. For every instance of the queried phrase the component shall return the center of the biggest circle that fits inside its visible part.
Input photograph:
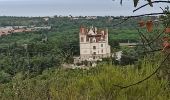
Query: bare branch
(151, 3)
(141, 81)
(128, 17)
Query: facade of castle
(93, 44)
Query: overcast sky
(72, 7)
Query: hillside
(97, 83)
(30, 68)
(39, 55)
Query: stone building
(93, 44)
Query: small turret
(95, 30)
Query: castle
(93, 44)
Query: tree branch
(141, 81)
(152, 3)
(128, 17)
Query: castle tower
(82, 35)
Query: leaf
(135, 2)
(150, 3)
(121, 1)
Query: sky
(73, 7)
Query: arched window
(94, 39)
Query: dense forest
(27, 51)
(30, 68)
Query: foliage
(27, 52)
(96, 83)
(31, 68)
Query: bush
(4, 77)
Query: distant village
(18, 29)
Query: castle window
(82, 39)
(101, 45)
(94, 39)
(94, 47)
(94, 53)
(102, 51)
